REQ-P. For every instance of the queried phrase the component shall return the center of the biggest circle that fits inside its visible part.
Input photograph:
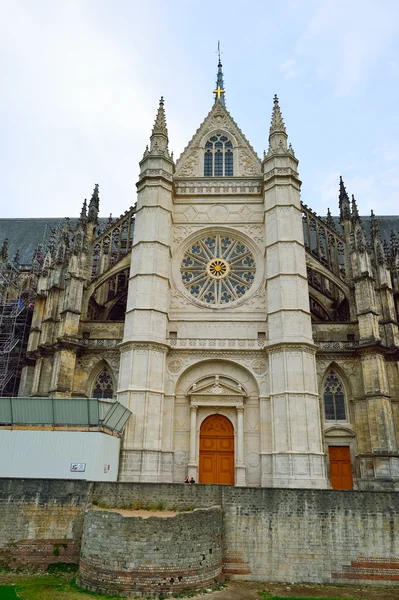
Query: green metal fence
(58, 412)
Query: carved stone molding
(146, 346)
(218, 186)
(188, 343)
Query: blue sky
(81, 80)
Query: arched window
(218, 157)
(334, 398)
(103, 386)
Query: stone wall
(268, 534)
(311, 535)
(124, 553)
(41, 521)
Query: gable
(219, 120)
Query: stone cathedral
(254, 342)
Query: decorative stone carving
(246, 163)
(175, 365)
(190, 166)
(259, 366)
(181, 232)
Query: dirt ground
(250, 591)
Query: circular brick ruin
(124, 553)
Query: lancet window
(334, 398)
(218, 157)
(103, 386)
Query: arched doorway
(216, 464)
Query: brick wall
(129, 554)
(268, 534)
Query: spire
(160, 121)
(344, 205)
(219, 91)
(159, 136)
(277, 133)
(277, 124)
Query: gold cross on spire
(219, 92)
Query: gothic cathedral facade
(255, 343)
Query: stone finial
(16, 259)
(4, 250)
(277, 123)
(160, 127)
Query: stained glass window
(103, 387)
(218, 157)
(228, 163)
(334, 398)
(218, 270)
(208, 159)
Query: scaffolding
(17, 294)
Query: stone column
(192, 464)
(240, 465)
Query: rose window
(218, 270)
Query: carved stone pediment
(339, 431)
(247, 162)
(217, 389)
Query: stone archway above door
(218, 392)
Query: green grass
(7, 592)
(45, 587)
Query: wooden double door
(216, 464)
(340, 468)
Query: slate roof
(386, 225)
(25, 234)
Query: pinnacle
(343, 194)
(160, 126)
(374, 229)
(83, 212)
(355, 211)
(330, 221)
(277, 122)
